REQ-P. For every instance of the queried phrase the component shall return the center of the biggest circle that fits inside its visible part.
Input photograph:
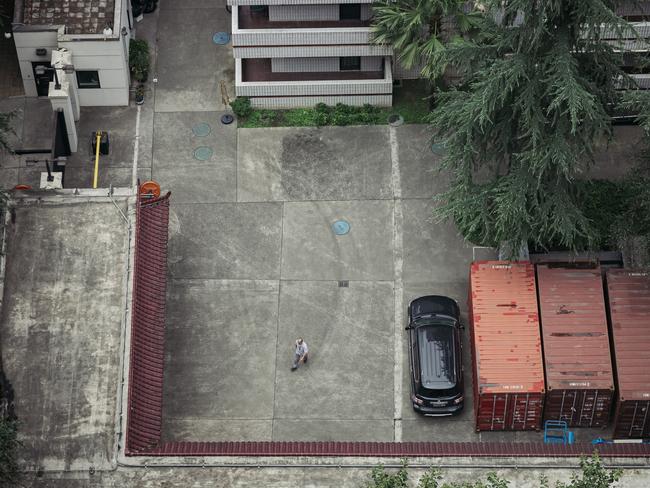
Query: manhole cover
(203, 153)
(438, 148)
(201, 130)
(221, 38)
(227, 119)
(341, 227)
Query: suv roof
(436, 347)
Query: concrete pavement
(252, 264)
(248, 276)
(61, 328)
(520, 476)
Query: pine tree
(540, 82)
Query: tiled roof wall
(399, 449)
(148, 326)
(79, 16)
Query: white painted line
(398, 287)
(394, 156)
(136, 147)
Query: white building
(95, 33)
(291, 53)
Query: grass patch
(410, 101)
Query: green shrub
(321, 118)
(268, 116)
(139, 59)
(241, 106)
(261, 118)
(9, 444)
(301, 117)
(6, 129)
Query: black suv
(435, 356)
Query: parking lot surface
(250, 273)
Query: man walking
(300, 354)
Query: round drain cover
(341, 227)
(438, 148)
(203, 153)
(227, 119)
(201, 130)
(221, 38)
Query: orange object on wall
(150, 188)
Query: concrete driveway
(254, 264)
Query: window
(350, 11)
(350, 63)
(88, 79)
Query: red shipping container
(629, 309)
(577, 359)
(506, 346)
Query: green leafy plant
(139, 59)
(418, 30)
(322, 115)
(593, 475)
(380, 478)
(9, 444)
(302, 117)
(6, 129)
(241, 106)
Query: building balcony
(253, 17)
(255, 78)
(632, 41)
(261, 70)
(261, 29)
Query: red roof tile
(144, 422)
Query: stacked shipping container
(629, 307)
(577, 359)
(506, 346)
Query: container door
(523, 413)
(633, 420)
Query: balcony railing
(309, 34)
(260, 70)
(254, 78)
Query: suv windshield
(435, 320)
(437, 356)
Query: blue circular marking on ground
(341, 227)
(221, 38)
(202, 129)
(203, 153)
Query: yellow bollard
(99, 137)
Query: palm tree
(419, 29)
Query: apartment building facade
(292, 53)
(636, 59)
